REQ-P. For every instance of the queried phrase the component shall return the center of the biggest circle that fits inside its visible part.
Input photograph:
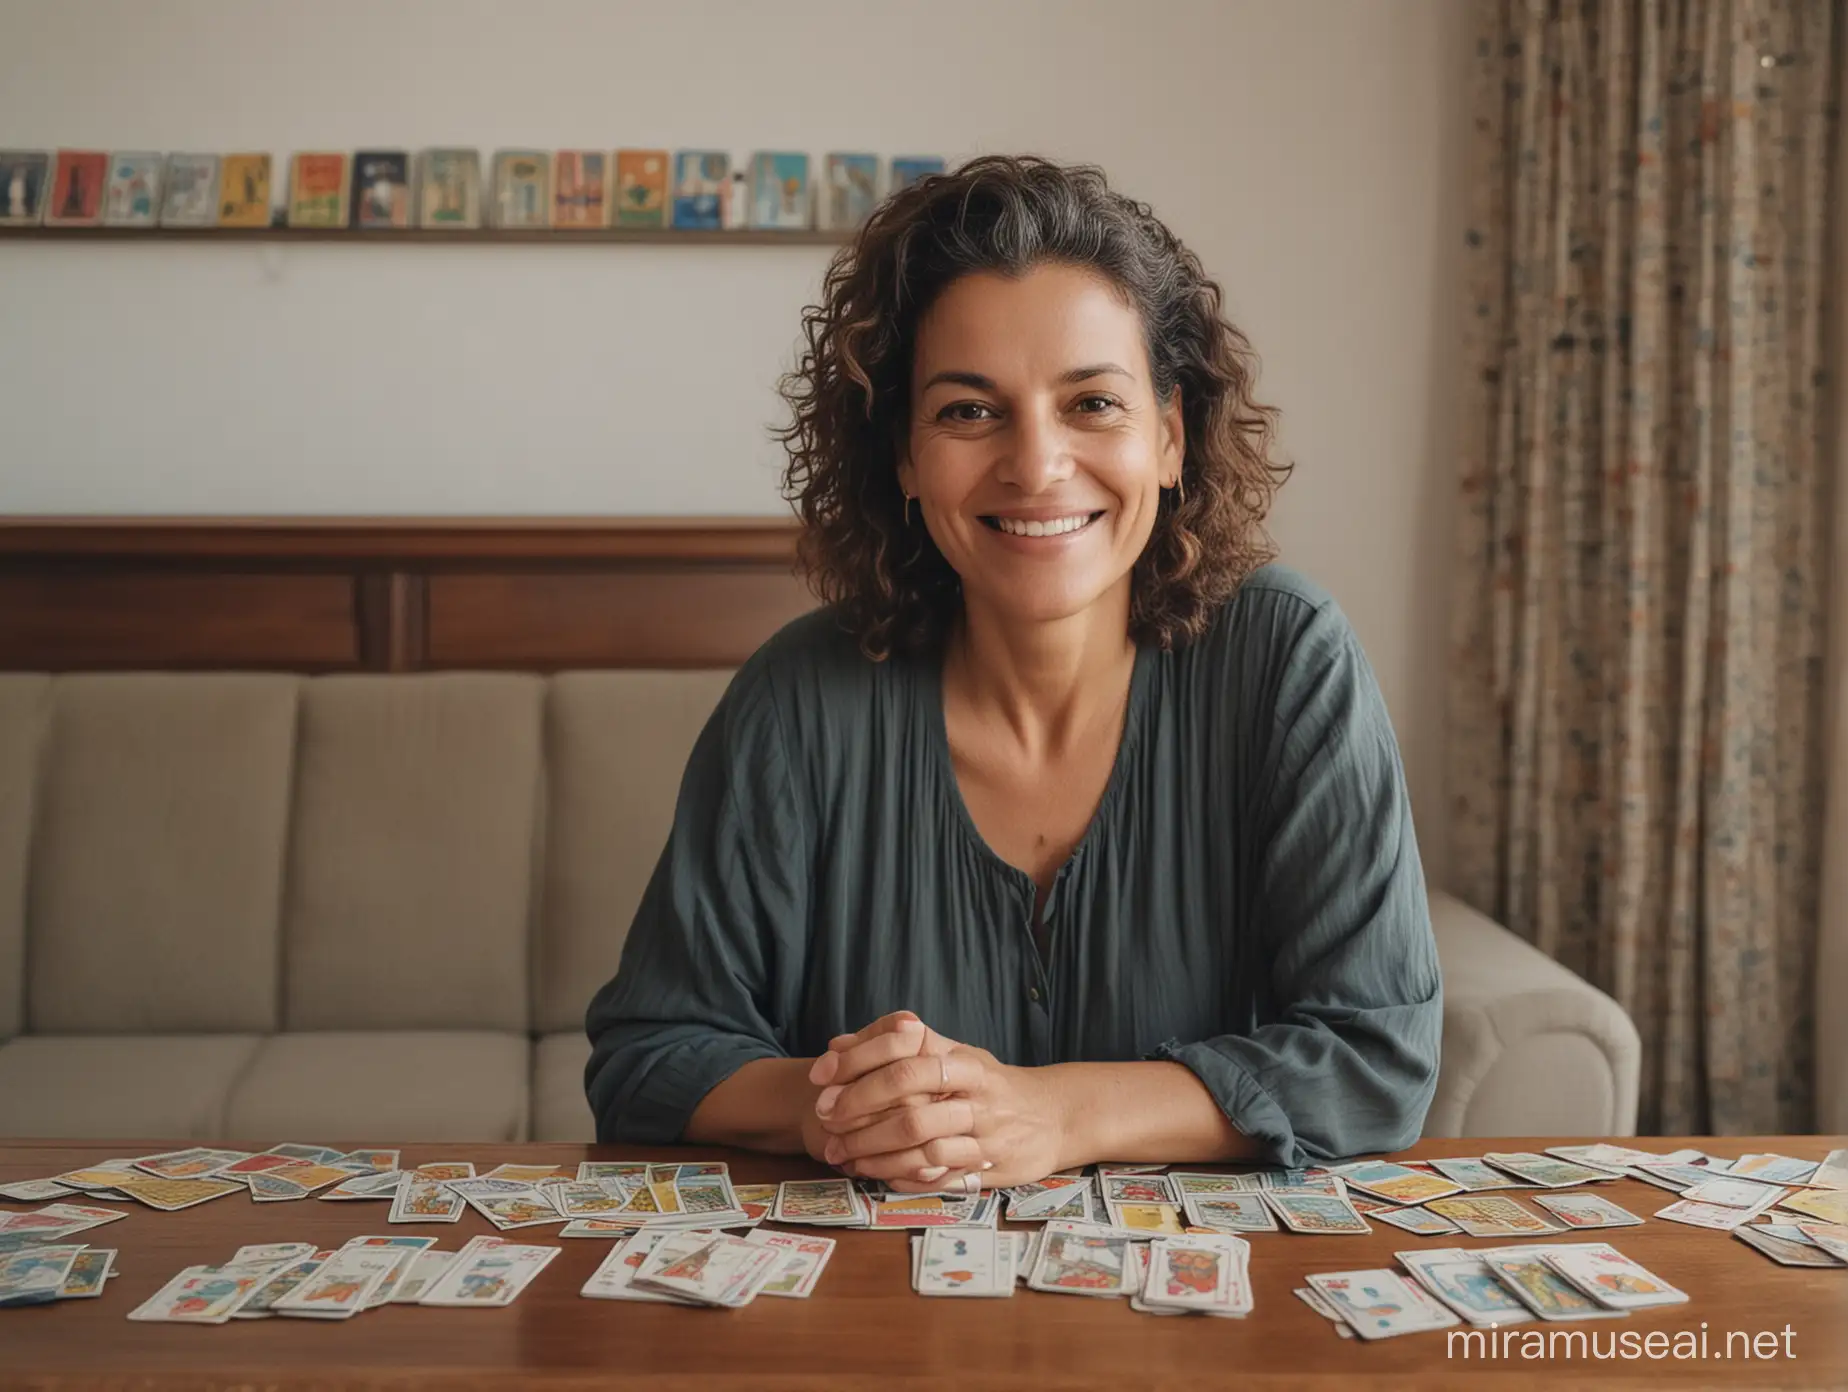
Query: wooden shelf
(424, 236)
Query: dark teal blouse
(1247, 900)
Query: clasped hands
(901, 1103)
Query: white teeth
(1056, 527)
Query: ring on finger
(943, 1062)
(971, 1183)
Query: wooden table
(864, 1328)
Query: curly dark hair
(850, 398)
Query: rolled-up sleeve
(707, 979)
(1344, 1053)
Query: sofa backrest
(228, 852)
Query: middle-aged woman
(1069, 829)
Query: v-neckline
(939, 723)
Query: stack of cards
(37, 1274)
(1381, 1303)
(1787, 1244)
(1083, 1259)
(964, 1261)
(831, 1203)
(699, 1267)
(1207, 1273)
(1305, 1210)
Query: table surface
(864, 1327)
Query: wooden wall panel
(391, 596)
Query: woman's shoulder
(1278, 608)
(811, 671)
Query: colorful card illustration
(582, 1199)
(90, 1269)
(818, 1201)
(964, 1262)
(1611, 1278)
(78, 181)
(1830, 1237)
(449, 193)
(1827, 1205)
(132, 196)
(196, 1162)
(35, 1275)
(1719, 1217)
(25, 180)
(909, 169)
(580, 189)
(522, 188)
(313, 1154)
(1578, 1210)
(1081, 1263)
(1735, 1193)
(317, 195)
(340, 1286)
(1153, 1219)
(1463, 1281)
(444, 1169)
(1832, 1173)
(1524, 1271)
(1318, 1302)
(278, 1284)
(36, 1191)
(1397, 1184)
(423, 1271)
(641, 196)
(1234, 1213)
(1381, 1304)
(801, 1266)
(614, 1278)
(1416, 1220)
(1475, 1176)
(1773, 1169)
(1792, 1249)
(757, 1200)
(702, 179)
(1548, 1171)
(1190, 1273)
(849, 192)
(272, 1188)
(709, 1267)
(172, 1194)
(1304, 1212)
(526, 1209)
(244, 191)
(421, 1200)
(1492, 1215)
(189, 191)
(366, 1184)
(381, 197)
(199, 1295)
(1137, 1189)
(254, 1164)
(780, 196)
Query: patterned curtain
(1636, 741)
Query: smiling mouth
(1056, 526)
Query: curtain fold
(1636, 749)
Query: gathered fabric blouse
(1247, 900)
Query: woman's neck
(1049, 683)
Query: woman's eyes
(1095, 405)
(975, 412)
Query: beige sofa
(270, 907)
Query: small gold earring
(908, 509)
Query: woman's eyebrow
(978, 382)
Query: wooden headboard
(324, 595)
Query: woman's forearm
(768, 1105)
(1154, 1112)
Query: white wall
(1306, 149)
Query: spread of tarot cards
(1170, 1242)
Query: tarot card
(1186, 1183)
(1318, 1302)
(425, 1201)
(1314, 1213)
(963, 1262)
(801, 1265)
(1150, 1219)
(580, 189)
(1785, 1250)
(269, 1188)
(850, 191)
(1720, 1217)
(271, 1255)
(36, 1274)
(78, 179)
(1606, 1156)
(244, 191)
(522, 188)
(368, 1185)
(1235, 1213)
(1548, 1171)
(86, 1216)
(340, 1286)
(708, 1197)
(909, 169)
(1536, 1285)
(25, 180)
(1832, 1173)
(1080, 1263)
(102, 1175)
(254, 1164)
(1396, 1184)
(641, 188)
(581, 1199)
(1735, 1193)
(1137, 1189)
(195, 1163)
(313, 1154)
(702, 179)
(1675, 1176)
(1492, 1215)
(1772, 1169)
(817, 1201)
(318, 189)
(89, 1270)
(1418, 1220)
(614, 1277)
(189, 191)
(444, 1170)
(1830, 1237)
(708, 1266)
(278, 1284)
(36, 1191)
(1475, 1176)
(449, 195)
(1611, 1278)
(172, 1194)
(1463, 1281)
(1577, 1210)
(200, 1295)
(780, 196)
(1053, 1197)
(425, 1269)
(1379, 1304)
(1828, 1205)
(525, 1174)
(528, 1209)
(757, 1200)
(916, 1211)
(1193, 1272)
(381, 195)
(629, 1172)
(132, 197)
(407, 1250)
(309, 1176)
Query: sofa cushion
(25, 702)
(435, 1085)
(157, 854)
(617, 745)
(411, 863)
(170, 1086)
(561, 1111)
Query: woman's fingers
(898, 1033)
(909, 1128)
(938, 1158)
(953, 1181)
(851, 1104)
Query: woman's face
(1037, 449)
